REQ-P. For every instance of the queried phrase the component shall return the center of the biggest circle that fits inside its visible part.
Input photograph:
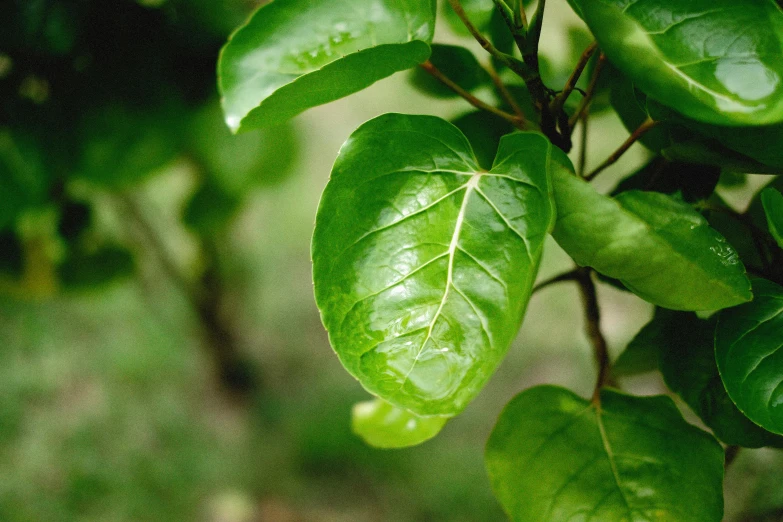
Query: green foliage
(313, 53)
(773, 206)
(556, 456)
(385, 426)
(435, 258)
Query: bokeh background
(161, 356)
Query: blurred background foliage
(161, 357)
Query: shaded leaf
(749, 351)
(423, 263)
(385, 426)
(210, 209)
(86, 270)
(554, 456)
(659, 248)
(458, 64)
(296, 54)
(694, 182)
(484, 131)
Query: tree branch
(593, 328)
(646, 126)
(517, 121)
(588, 97)
(557, 104)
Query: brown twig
(645, 127)
(504, 92)
(593, 329)
(565, 276)
(588, 97)
(517, 121)
(559, 101)
(583, 144)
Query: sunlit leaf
(423, 263)
(659, 248)
(385, 426)
(554, 456)
(296, 54)
(697, 57)
(749, 351)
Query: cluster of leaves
(429, 234)
(95, 100)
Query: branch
(517, 121)
(504, 92)
(593, 328)
(646, 126)
(557, 104)
(565, 276)
(583, 144)
(588, 97)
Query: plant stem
(583, 144)
(517, 121)
(565, 276)
(588, 97)
(593, 328)
(557, 104)
(521, 16)
(647, 125)
(504, 92)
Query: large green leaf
(749, 351)
(700, 57)
(687, 362)
(296, 54)
(773, 208)
(385, 426)
(423, 263)
(659, 248)
(554, 456)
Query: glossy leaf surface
(554, 456)
(698, 57)
(749, 351)
(385, 426)
(687, 362)
(659, 248)
(423, 264)
(773, 208)
(296, 54)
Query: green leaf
(210, 209)
(687, 362)
(296, 54)
(385, 426)
(25, 175)
(457, 63)
(659, 248)
(484, 131)
(694, 182)
(749, 351)
(236, 164)
(698, 57)
(424, 263)
(773, 207)
(554, 456)
(89, 270)
(641, 354)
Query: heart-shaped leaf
(659, 248)
(699, 57)
(749, 351)
(385, 426)
(554, 456)
(773, 208)
(423, 263)
(296, 54)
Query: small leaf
(458, 64)
(734, 77)
(660, 249)
(773, 207)
(424, 263)
(385, 426)
(687, 362)
(296, 54)
(554, 456)
(749, 351)
(210, 209)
